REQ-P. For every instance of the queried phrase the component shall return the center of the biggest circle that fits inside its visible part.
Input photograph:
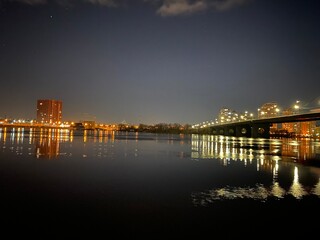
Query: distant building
(227, 115)
(49, 111)
(89, 124)
(268, 110)
(303, 129)
(290, 127)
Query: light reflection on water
(257, 192)
(275, 157)
(266, 154)
(246, 149)
(46, 142)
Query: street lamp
(296, 106)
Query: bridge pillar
(221, 131)
(260, 130)
(215, 131)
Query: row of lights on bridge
(244, 117)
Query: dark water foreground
(109, 185)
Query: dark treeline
(158, 128)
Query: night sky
(157, 61)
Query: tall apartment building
(227, 115)
(49, 111)
(268, 110)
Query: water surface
(152, 184)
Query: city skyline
(157, 61)
(51, 113)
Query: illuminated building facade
(290, 127)
(49, 111)
(303, 129)
(227, 115)
(89, 124)
(268, 110)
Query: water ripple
(258, 192)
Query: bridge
(255, 128)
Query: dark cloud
(107, 3)
(164, 7)
(223, 5)
(30, 2)
(178, 7)
(182, 7)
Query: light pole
(296, 107)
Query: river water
(67, 184)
